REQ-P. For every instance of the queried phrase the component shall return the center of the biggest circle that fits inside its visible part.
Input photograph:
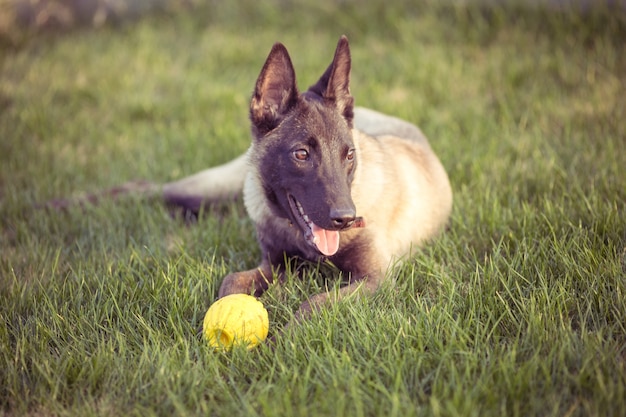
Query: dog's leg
(144, 189)
(254, 281)
(365, 286)
(367, 273)
(220, 183)
(224, 182)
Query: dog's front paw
(254, 281)
(234, 283)
(309, 307)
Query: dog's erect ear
(275, 92)
(334, 85)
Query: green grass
(518, 309)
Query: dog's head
(304, 146)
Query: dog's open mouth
(326, 241)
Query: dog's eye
(301, 154)
(350, 155)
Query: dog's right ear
(334, 85)
(275, 93)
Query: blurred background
(18, 17)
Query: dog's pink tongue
(327, 241)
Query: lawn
(518, 309)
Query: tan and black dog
(322, 180)
(325, 180)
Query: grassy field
(519, 308)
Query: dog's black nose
(342, 218)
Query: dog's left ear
(334, 85)
(275, 93)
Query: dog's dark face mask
(307, 157)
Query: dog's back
(403, 191)
(376, 124)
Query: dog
(322, 180)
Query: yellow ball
(235, 320)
